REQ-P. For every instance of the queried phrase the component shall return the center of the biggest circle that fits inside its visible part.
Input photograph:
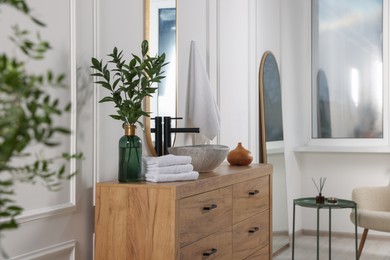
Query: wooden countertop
(227, 175)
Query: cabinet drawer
(250, 235)
(250, 197)
(215, 246)
(262, 254)
(204, 214)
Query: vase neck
(130, 129)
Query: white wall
(344, 172)
(293, 49)
(191, 26)
(233, 69)
(216, 34)
(119, 24)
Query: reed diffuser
(319, 198)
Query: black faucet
(167, 131)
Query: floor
(343, 248)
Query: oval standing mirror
(160, 31)
(272, 147)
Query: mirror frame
(262, 139)
(147, 129)
(263, 147)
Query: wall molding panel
(212, 50)
(63, 208)
(95, 138)
(65, 249)
(47, 212)
(253, 76)
(73, 95)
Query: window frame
(350, 144)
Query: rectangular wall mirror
(160, 30)
(162, 39)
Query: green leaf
(97, 74)
(62, 130)
(104, 84)
(15, 208)
(106, 99)
(6, 183)
(117, 117)
(5, 214)
(37, 21)
(61, 170)
(8, 225)
(115, 83)
(51, 144)
(60, 78)
(107, 75)
(96, 64)
(132, 63)
(144, 47)
(137, 58)
(151, 90)
(68, 107)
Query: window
(347, 69)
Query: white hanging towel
(202, 110)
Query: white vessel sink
(205, 158)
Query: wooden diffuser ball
(239, 156)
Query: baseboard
(280, 233)
(309, 232)
(280, 250)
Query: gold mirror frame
(147, 125)
(148, 132)
(280, 240)
(262, 140)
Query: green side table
(311, 203)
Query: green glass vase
(130, 156)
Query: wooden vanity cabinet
(225, 214)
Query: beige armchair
(373, 208)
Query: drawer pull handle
(253, 192)
(253, 230)
(210, 252)
(212, 206)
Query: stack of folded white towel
(169, 168)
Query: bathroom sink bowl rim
(205, 157)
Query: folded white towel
(166, 160)
(173, 169)
(185, 176)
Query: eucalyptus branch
(132, 81)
